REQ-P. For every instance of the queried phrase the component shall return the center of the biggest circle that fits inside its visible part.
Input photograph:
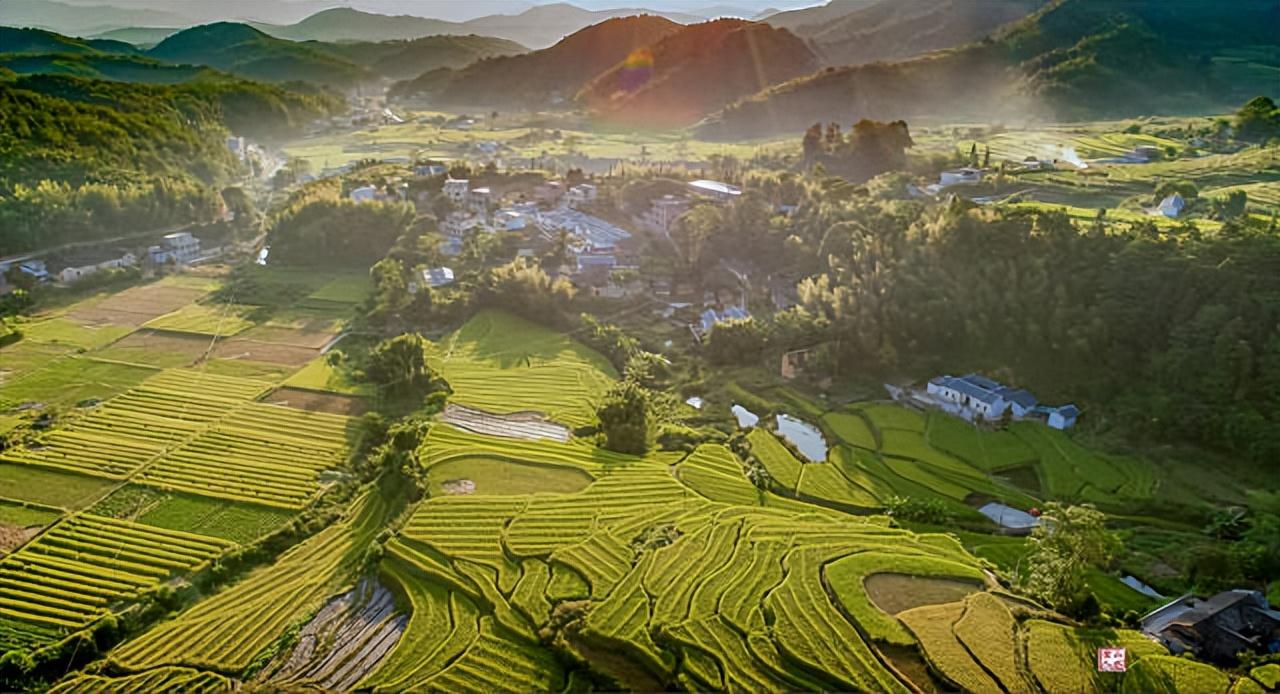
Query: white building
(459, 224)
(78, 271)
(977, 397)
(364, 194)
(1172, 206)
(966, 176)
(595, 234)
(457, 189)
(715, 190)
(480, 199)
(583, 192)
(664, 212)
(437, 276)
(179, 247)
(510, 220)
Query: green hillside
(1073, 59)
(121, 68)
(402, 60)
(242, 50)
(13, 40)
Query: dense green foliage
(321, 226)
(624, 418)
(1173, 331)
(84, 159)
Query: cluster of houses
(978, 398)
(177, 248)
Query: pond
(803, 436)
(746, 418)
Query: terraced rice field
(204, 319)
(227, 630)
(73, 573)
(501, 363)
(170, 679)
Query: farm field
(67, 577)
(500, 363)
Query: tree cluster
(871, 148)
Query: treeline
(88, 159)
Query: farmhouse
(583, 192)
(1218, 628)
(80, 267)
(429, 170)
(458, 224)
(479, 199)
(966, 176)
(437, 276)
(1172, 206)
(180, 247)
(715, 190)
(456, 189)
(664, 212)
(549, 193)
(711, 317)
(978, 397)
(364, 194)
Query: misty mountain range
(95, 17)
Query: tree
(624, 418)
(524, 289)
(399, 365)
(1258, 120)
(739, 342)
(559, 251)
(1064, 545)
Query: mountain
(346, 24)
(1071, 59)
(849, 32)
(697, 70)
(537, 27)
(722, 11)
(143, 37)
(81, 20)
(41, 41)
(401, 60)
(542, 78)
(242, 50)
(104, 66)
(812, 18)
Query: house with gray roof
(1217, 628)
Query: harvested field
(13, 537)
(529, 426)
(312, 401)
(268, 352)
(151, 348)
(343, 643)
(894, 593)
(294, 337)
(136, 305)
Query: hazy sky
(284, 11)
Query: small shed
(1172, 206)
(1063, 417)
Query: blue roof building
(975, 396)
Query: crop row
(601, 558)
(87, 453)
(226, 631)
(624, 618)
(169, 679)
(74, 572)
(498, 661)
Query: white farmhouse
(1172, 206)
(457, 189)
(364, 194)
(583, 192)
(966, 176)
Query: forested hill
(864, 31)
(541, 78)
(401, 60)
(695, 71)
(14, 40)
(242, 50)
(1071, 59)
(89, 158)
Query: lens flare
(637, 69)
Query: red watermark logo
(1112, 660)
